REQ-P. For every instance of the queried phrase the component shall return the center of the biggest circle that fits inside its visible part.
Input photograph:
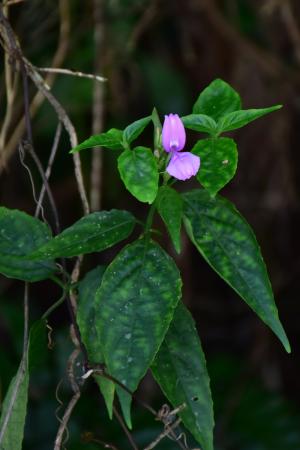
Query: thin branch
(49, 168)
(163, 434)
(72, 73)
(125, 429)
(292, 28)
(65, 420)
(58, 59)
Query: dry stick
(162, 435)
(59, 56)
(97, 156)
(71, 73)
(49, 168)
(125, 429)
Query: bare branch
(71, 73)
(163, 434)
(49, 168)
(125, 429)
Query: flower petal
(183, 165)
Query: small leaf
(170, 208)
(135, 129)
(138, 170)
(218, 162)
(13, 412)
(217, 99)
(238, 119)
(180, 370)
(134, 307)
(111, 139)
(200, 122)
(92, 233)
(20, 235)
(228, 244)
(86, 321)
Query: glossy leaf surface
(135, 129)
(86, 321)
(14, 407)
(112, 139)
(92, 233)
(20, 235)
(170, 208)
(217, 100)
(219, 158)
(135, 305)
(228, 244)
(238, 119)
(138, 170)
(180, 369)
(200, 122)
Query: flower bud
(173, 133)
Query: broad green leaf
(238, 119)
(20, 235)
(217, 100)
(92, 233)
(219, 158)
(200, 122)
(111, 139)
(13, 412)
(180, 370)
(135, 129)
(228, 244)
(170, 208)
(86, 321)
(138, 170)
(134, 307)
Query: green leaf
(219, 158)
(111, 139)
(238, 119)
(13, 412)
(135, 129)
(92, 233)
(20, 235)
(180, 370)
(86, 321)
(217, 100)
(138, 170)
(170, 208)
(228, 244)
(134, 306)
(200, 122)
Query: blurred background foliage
(162, 53)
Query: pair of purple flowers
(182, 165)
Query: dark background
(163, 53)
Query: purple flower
(173, 133)
(183, 165)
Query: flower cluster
(182, 165)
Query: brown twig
(73, 73)
(59, 56)
(49, 168)
(168, 429)
(125, 429)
